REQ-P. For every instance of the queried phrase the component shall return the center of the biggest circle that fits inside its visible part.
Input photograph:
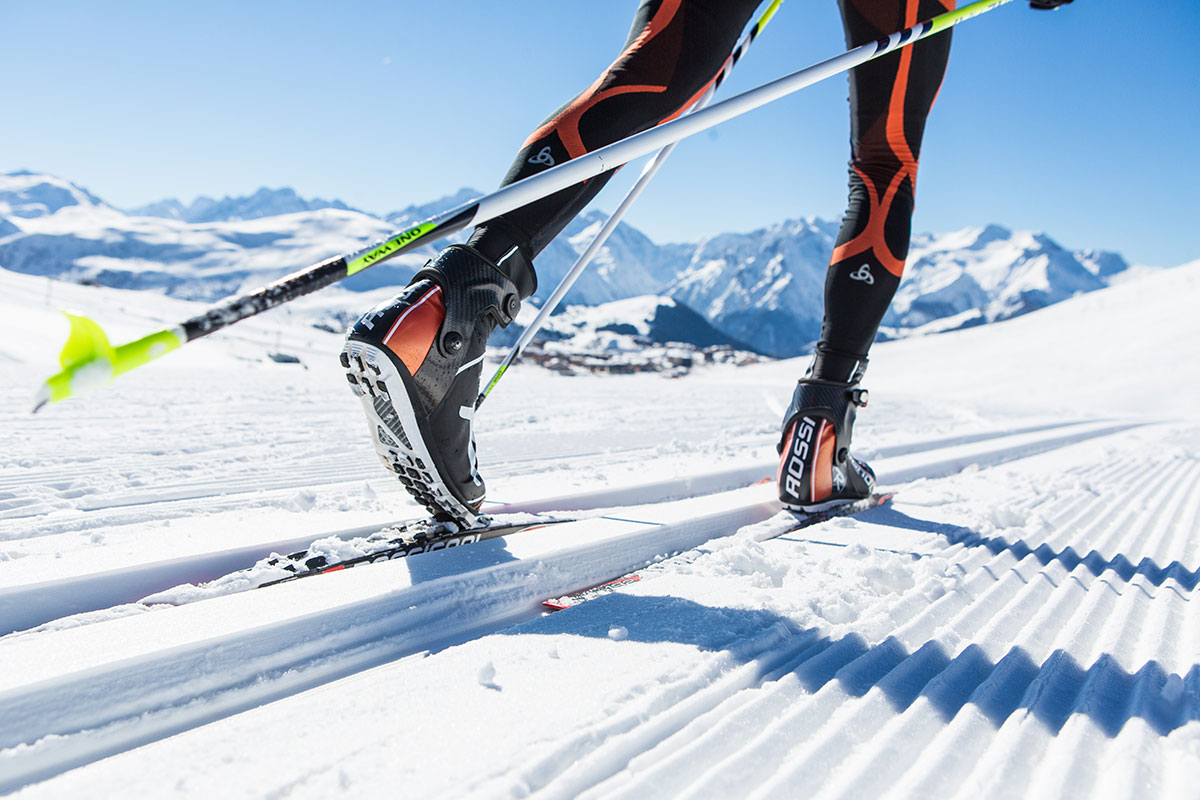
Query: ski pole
(89, 360)
(651, 169)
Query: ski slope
(1019, 622)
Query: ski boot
(416, 361)
(816, 470)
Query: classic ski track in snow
(26, 606)
(186, 680)
(150, 694)
(924, 709)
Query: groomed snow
(1018, 623)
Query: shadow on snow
(1052, 692)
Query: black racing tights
(675, 50)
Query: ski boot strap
(837, 402)
(472, 287)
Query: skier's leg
(675, 49)
(890, 99)
(416, 361)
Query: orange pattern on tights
(872, 239)
(566, 122)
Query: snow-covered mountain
(624, 324)
(421, 212)
(763, 288)
(629, 265)
(28, 195)
(989, 274)
(65, 231)
(263, 203)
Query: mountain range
(762, 288)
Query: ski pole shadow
(1052, 692)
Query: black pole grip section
(274, 294)
(310, 279)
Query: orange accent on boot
(413, 333)
(821, 479)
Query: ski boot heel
(396, 433)
(816, 470)
(415, 362)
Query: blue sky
(1080, 122)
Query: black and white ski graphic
(404, 540)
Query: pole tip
(41, 399)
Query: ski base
(802, 520)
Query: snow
(1019, 622)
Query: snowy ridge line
(971, 691)
(232, 494)
(909, 448)
(23, 607)
(100, 517)
(66, 469)
(188, 671)
(1064, 686)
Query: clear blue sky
(1081, 122)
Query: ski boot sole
(816, 508)
(396, 434)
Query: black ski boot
(816, 470)
(416, 361)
